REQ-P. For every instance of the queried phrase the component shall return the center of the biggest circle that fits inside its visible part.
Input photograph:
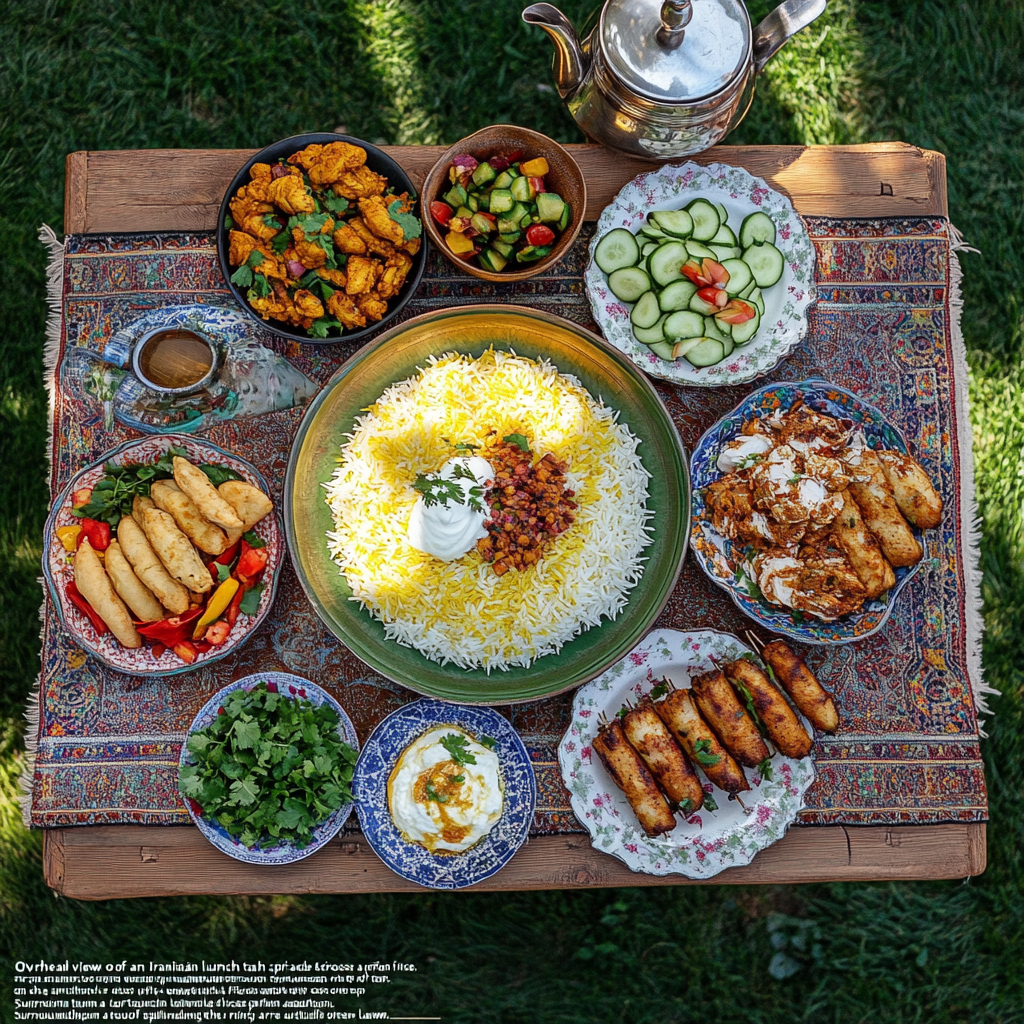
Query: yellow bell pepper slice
(535, 168)
(68, 536)
(215, 608)
(458, 243)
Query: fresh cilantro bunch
(269, 768)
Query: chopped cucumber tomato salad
(694, 286)
(498, 211)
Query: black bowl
(377, 161)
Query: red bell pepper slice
(539, 234)
(84, 607)
(174, 630)
(96, 532)
(186, 650)
(218, 632)
(228, 556)
(234, 609)
(252, 561)
(537, 184)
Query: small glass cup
(175, 360)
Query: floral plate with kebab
(164, 555)
(810, 510)
(687, 758)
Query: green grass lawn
(125, 74)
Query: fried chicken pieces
(319, 241)
(820, 516)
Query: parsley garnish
(223, 572)
(686, 806)
(220, 474)
(748, 700)
(250, 602)
(336, 204)
(253, 539)
(702, 751)
(766, 770)
(457, 745)
(271, 221)
(243, 276)
(489, 742)
(462, 446)
(709, 802)
(660, 690)
(432, 794)
(459, 778)
(229, 222)
(795, 479)
(622, 712)
(517, 439)
(269, 768)
(260, 286)
(437, 490)
(311, 223)
(410, 225)
(319, 328)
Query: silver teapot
(665, 78)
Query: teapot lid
(653, 62)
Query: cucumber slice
(666, 262)
(684, 324)
(722, 212)
(765, 262)
(663, 349)
(756, 229)
(726, 252)
(698, 305)
(674, 222)
(700, 252)
(756, 299)
(646, 312)
(563, 221)
(651, 230)
(677, 295)
(740, 276)
(750, 287)
(651, 335)
(706, 220)
(490, 259)
(723, 236)
(711, 328)
(617, 249)
(549, 207)
(707, 353)
(647, 248)
(742, 333)
(628, 283)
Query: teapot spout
(785, 21)
(570, 64)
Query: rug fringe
(970, 520)
(51, 358)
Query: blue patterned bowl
(717, 555)
(410, 860)
(283, 852)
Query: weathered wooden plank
(119, 861)
(181, 190)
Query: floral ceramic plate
(284, 852)
(708, 841)
(784, 323)
(410, 860)
(58, 564)
(721, 559)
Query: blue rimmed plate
(284, 852)
(58, 564)
(410, 860)
(721, 560)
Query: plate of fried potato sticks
(686, 757)
(810, 510)
(164, 555)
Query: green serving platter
(398, 354)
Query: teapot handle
(786, 20)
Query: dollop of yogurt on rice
(448, 528)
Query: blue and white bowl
(721, 559)
(415, 862)
(283, 852)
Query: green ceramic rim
(398, 354)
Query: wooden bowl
(564, 177)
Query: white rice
(460, 611)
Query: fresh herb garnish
(311, 223)
(462, 446)
(709, 802)
(243, 276)
(457, 746)
(114, 493)
(702, 751)
(517, 439)
(261, 287)
(269, 768)
(410, 225)
(686, 806)
(437, 490)
(660, 690)
(223, 572)
(319, 328)
(622, 712)
(229, 222)
(459, 778)
(220, 474)
(748, 700)
(795, 479)
(766, 770)
(489, 742)
(253, 539)
(432, 794)
(250, 602)
(336, 204)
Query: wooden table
(181, 190)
